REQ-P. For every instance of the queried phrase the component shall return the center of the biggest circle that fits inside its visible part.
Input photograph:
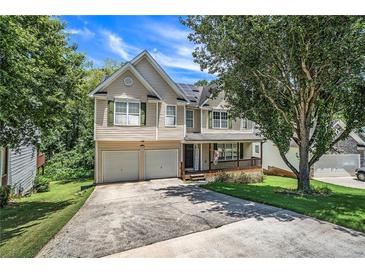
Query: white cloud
(84, 32)
(167, 32)
(117, 45)
(176, 61)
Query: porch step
(197, 177)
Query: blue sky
(123, 37)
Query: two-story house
(147, 126)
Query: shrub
(222, 177)
(321, 190)
(248, 178)
(239, 178)
(70, 165)
(4, 196)
(41, 184)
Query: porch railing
(250, 163)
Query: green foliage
(292, 75)
(345, 206)
(4, 195)
(39, 73)
(70, 165)
(201, 83)
(32, 221)
(41, 184)
(69, 144)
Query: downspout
(157, 120)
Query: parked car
(360, 174)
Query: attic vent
(128, 81)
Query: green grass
(31, 222)
(345, 206)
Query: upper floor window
(127, 113)
(170, 119)
(220, 119)
(189, 118)
(246, 124)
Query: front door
(189, 155)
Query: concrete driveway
(161, 218)
(343, 181)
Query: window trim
(220, 118)
(187, 116)
(170, 105)
(127, 101)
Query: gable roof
(115, 75)
(353, 134)
(162, 73)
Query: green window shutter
(143, 114)
(210, 118)
(110, 113)
(229, 122)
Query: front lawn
(345, 206)
(31, 222)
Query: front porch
(209, 158)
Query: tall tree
(201, 83)
(292, 75)
(39, 73)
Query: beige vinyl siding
(101, 112)
(171, 133)
(22, 168)
(132, 146)
(196, 128)
(236, 125)
(124, 133)
(136, 91)
(145, 68)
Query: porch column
(210, 156)
(238, 155)
(261, 153)
(201, 157)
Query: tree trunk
(303, 176)
(304, 170)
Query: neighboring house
(18, 168)
(147, 126)
(346, 156)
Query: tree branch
(286, 161)
(272, 101)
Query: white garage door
(160, 164)
(336, 165)
(119, 166)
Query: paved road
(123, 217)
(343, 181)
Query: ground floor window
(226, 151)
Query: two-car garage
(121, 165)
